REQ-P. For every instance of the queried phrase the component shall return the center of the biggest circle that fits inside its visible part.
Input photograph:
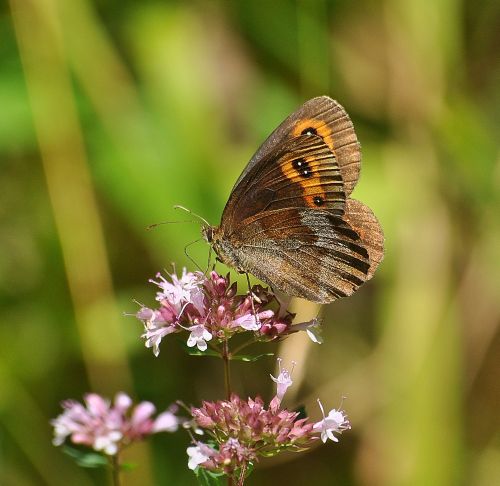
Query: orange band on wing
(318, 127)
(306, 173)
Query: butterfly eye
(309, 131)
(208, 233)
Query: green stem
(227, 383)
(115, 469)
(227, 373)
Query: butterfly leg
(209, 260)
(189, 256)
(251, 299)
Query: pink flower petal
(122, 402)
(96, 404)
(167, 422)
(142, 412)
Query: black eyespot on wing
(302, 167)
(309, 131)
(299, 164)
(318, 201)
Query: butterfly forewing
(326, 119)
(303, 172)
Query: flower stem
(241, 480)
(227, 383)
(115, 469)
(227, 374)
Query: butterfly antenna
(178, 206)
(189, 256)
(154, 225)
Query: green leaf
(270, 453)
(196, 352)
(249, 358)
(208, 478)
(86, 459)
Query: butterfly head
(223, 247)
(207, 232)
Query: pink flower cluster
(250, 425)
(208, 307)
(108, 428)
(243, 430)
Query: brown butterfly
(289, 219)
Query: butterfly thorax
(225, 249)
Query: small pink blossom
(166, 422)
(312, 328)
(283, 382)
(106, 427)
(199, 337)
(250, 323)
(154, 335)
(180, 290)
(198, 455)
(230, 456)
(335, 421)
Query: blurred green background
(113, 111)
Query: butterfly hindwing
(361, 218)
(307, 253)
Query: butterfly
(290, 220)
